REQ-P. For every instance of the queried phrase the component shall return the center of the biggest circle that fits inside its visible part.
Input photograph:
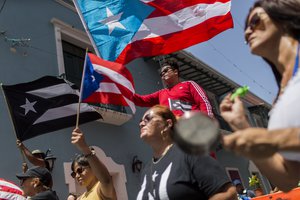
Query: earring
(163, 134)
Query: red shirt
(185, 96)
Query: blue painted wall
(31, 19)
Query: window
(258, 120)
(67, 3)
(234, 173)
(73, 61)
(70, 46)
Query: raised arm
(31, 158)
(106, 187)
(262, 147)
(262, 143)
(147, 100)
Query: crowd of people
(272, 31)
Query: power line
(2, 6)
(239, 69)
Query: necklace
(152, 176)
(156, 160)
(295, 69)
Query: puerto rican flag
(122, 30)
(107, 83)
(10, 191)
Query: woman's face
(261, 33)
(151, 126)
(83, 174)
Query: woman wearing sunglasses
(173, 174)
(272, 31)
(90, 172)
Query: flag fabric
(10, 191)
(122, 30)
(107, 83)
(45, 105)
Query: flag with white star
(107, 83)
(122, 30)
(45, 105)
(111, 24)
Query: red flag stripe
(116, 67)
(166, 7)
(107, 98)
(176, 41)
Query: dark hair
(170, 63)
(80, 160)
(165, 113)
(284, 13)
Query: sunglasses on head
(79, 170)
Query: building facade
(39, 38)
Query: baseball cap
(39, 172)
(237, 182)
(37, 151)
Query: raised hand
(79, 141)
(233, 112)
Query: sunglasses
(255, 22)
(79, 170)
(24, 179)
(146, 119)
(165, 70)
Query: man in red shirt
(178, 96)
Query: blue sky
(228, 54)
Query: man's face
(27, 184)
(168, 74)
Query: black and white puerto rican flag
(179, 105)
(45, 105)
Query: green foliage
(254, 181)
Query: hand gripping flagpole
(81, 88)
(10, 117)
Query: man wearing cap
(36, 183)
(36, 157)
(178, 96)
(243, 194)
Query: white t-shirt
(286, 112)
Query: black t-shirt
(181, 176)
(46, 195)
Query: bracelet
(90, 154)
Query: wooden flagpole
(81, 88)
(22, 153)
